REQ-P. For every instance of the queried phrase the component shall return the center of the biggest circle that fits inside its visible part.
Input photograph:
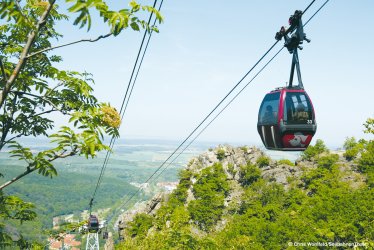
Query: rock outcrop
(232, 159)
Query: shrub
(221, 154)
(366, 162)
(249, 174)
(209, 190)
(179, 195)
(313, 151)
(328, 161)
(140, 225)
(244, 148)
(263, 161)
(286, 162)
(352, 148)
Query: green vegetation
(140, 225)
(221, 154)
(249, 174)
(314, 151)
(353, 148)
(209, 190)
(68, 194)
(263, 161)
(286, 162)
(179, 196)
(33, 87)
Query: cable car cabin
(286, 119)
(93, 224)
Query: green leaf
(134, 26)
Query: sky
(205, 47)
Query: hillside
(238, 198)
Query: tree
(369, 125)
(313, 151)
(32, 87)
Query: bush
(249, 174)
(263, 161)
(221, 154)
(366, 162)
(313, 151)
(286, 162)
(140, 225)
(353, 148)
(328, 161)
(179, 195)
(209, 190)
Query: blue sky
(205, 47)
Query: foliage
(179, 196)
(32, 87)
(263, 161)
(13, 208)
(248, 174)
(209, 190)
(314, 151)
(369, 126)
(353, 148)
(286, 162)
(362, 152)
(327, 161)
(140, 225)
(366, 163)
(68, 194)
(221, 154)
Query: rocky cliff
(220, 188)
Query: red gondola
(93, 224)
(286, 119)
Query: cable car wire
(126, 98)
(201, 123)
(223, 109)
(276, 54)
(124, 107)
(215, 108)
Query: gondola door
(267, 125)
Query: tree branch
(67, 44)
(19, 135)
(40, 97)
(7, 122)
(3, 70)
(22, 60)
(32, 169)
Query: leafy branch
(22, 60)
(41, 161)
(43, 98)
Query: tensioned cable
(189, 144)
(136, 76)
(133, 83)
(127, 96)
(223, 109)
(138, 190)
(201, 123)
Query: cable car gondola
(286, 119)
(93, 224)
